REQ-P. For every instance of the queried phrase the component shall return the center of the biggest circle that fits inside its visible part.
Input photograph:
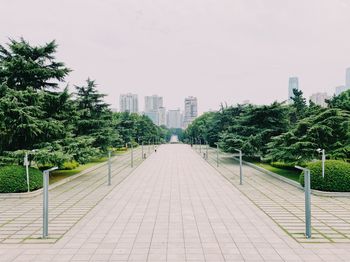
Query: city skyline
(219, 52)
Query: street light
(217, 154)
(319, 150)
(26, 163)
(240, 167)
(46, 174)
(307, 189)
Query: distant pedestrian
(155, 149)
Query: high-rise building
(347, 78)
(191, 110)
(339, 90)
(154, 109)
(174, 118)
(320, 99)
(128, 103)
(152, 103)
(293, 84)
(161, 116)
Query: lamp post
(109, 168)
(240, 167)
(200, 146)
(46, 174)
(132, 155)
(217, 154)
(307, 189)
(143, 157)
(207, 151)
(319, 150)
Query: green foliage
(13, 179)
(283, 165)
(336, 179)
(36, 113)
(70, 165)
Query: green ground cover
(290, 174)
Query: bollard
(46, 174)
(307, 190)
(109, 168)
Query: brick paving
(21, 219)
(284, 203)
(175, 207)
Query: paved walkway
(175, 207)
(21, 219)
(284, 203)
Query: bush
(283, 165)
(70, 165)
(13, 179)
(337, 176)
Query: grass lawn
(58, 175)
(290, 174)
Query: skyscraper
(347, 78)
(174, 118)
(320, 99)
(128, 103)
(293, 84)
(152, 103)
(339, 90)
(191, 110)
(154, 109)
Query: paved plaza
(172, 207)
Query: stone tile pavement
(284, 203)
(175, 207)
(21, 219)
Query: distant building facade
(174, 119)
(128, 103)
(320, 99)
(293, 84)
(339, 90)
(191, 110)
(347, 78)
(154, 109)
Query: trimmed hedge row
(336, 179)
(13, 179)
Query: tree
(94, 116)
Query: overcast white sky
(217, 50)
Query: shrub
(70, 165)
(337, 176)
(283, 165)
(13, 179)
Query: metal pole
(323, 161)
(149, 145)
(200, 146)
(240, 168)
(307, 204)
(26, 163)
(132, 155)
(46, 174)
(206, 154)
(307, 190)
(109, 168)
(217, 155)
(46, 205)
(142, 151)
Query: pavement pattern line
(21, 219)
(175, 207)
(285, 203)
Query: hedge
(13, 179)
(337, 176)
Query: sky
(221, 51)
